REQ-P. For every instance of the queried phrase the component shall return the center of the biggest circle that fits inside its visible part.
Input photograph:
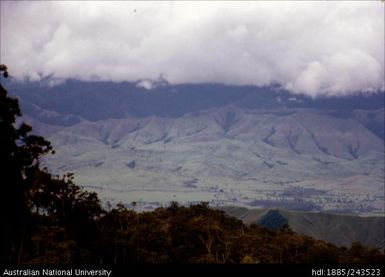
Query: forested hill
(338, 229)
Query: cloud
(314, 48)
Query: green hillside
(341, 230)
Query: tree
(19, 158)
(32, 200)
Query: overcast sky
(315, 48)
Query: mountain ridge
(243, 146)
(339, 229)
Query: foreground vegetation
(49, 219)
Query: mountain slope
(256, 147)
(229, 155)
(340, 230)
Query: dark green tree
(35, 204)
(19, 158)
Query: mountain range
(227, 145)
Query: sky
(316, 48)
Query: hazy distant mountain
(229, 145)
(340, 230)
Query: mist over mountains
(313, 48)
(119, 100)
(193, 132)
(237, 145)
